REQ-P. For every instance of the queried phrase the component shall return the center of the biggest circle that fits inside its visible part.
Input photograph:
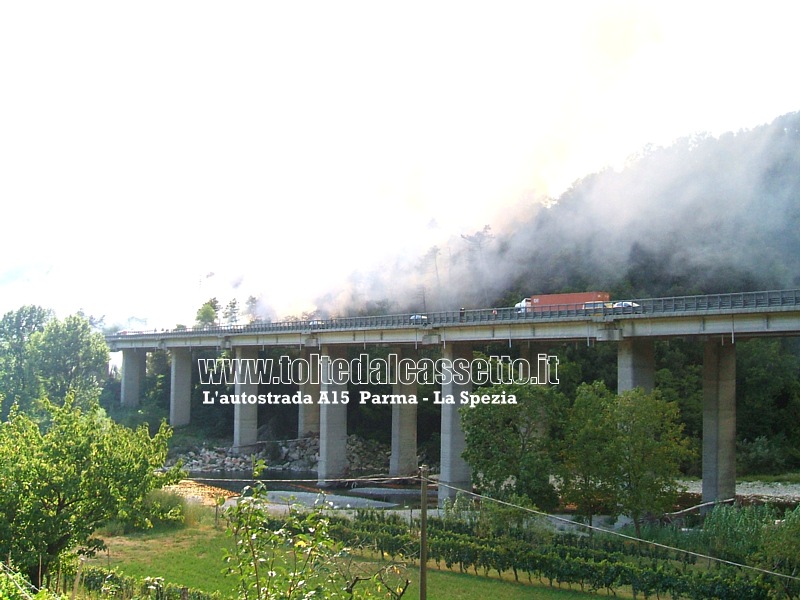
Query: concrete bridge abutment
(455, 472)
(134, 368)
(308, 414)
(180, 391)
(332, 414)
(719, 420)
(403, 459)
(245, 415)
(636, 364)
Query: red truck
(578, 299)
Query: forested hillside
(703, 215)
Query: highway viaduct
(717, 321)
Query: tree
(231, 314)
(68, 357)
(679, 377)
(476, 244)
(43, 355)
(587, 468)
(768, 398)
(647, 444)
(18, 383)
(507, 445)
(251, 309)
(63, 478)
(208, 314)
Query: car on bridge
(627, 307)
(621, 307)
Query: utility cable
(617, 533)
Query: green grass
(192, 556)
(444, 585)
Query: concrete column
(636, 365)
(403, 460)
(180, 386)
(543, 368)
(719, 421)
(332, 414)
(454, 469)
(308, 415)
(245, 416)
(134, 367)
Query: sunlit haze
(156, 154)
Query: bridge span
(717, 321)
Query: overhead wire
(617, 533)
(482, 497)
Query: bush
(762, 456)
(163, 508)
(111, 583)
(13, 586)
(736, 533)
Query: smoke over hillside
(704, 215)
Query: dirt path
(200, 492)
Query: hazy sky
(155, 154)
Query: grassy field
(192, 556)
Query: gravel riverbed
(755, 490)
(303, 455)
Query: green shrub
(762, 456)
(14, 586)
(164, 509)
(111, 583)
(735, 533)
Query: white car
(627, 306)
(419, 319)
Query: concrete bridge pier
(180, 386)
(308, 414)
(245, 416)
(455, 471)
(635, 364)
(134, 368)
(403, 460)
(719, 420)
(332, 414)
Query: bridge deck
(738, 314)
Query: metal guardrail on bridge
(711, 303)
